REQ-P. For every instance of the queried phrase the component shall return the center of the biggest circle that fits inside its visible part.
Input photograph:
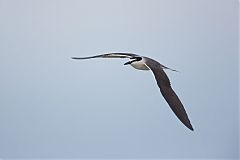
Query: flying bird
(145, 63)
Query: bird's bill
(129, 62)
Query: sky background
(54, 107)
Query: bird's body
(140, 65)
(145, 63)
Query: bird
(163, 82)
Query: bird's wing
(168, 93)
(109, 55)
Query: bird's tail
(164, 67)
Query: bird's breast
(139, 65)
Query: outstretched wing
(109, 55)
(168, 93)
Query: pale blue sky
(54, 107)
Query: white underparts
(139, 65)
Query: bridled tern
(145, 63)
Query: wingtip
(77, 58)
(188, 124)
(190, 127)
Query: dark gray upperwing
(109, 55)
(168, 93)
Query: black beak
(129, 62)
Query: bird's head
(133, 59)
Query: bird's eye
(138, 58)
